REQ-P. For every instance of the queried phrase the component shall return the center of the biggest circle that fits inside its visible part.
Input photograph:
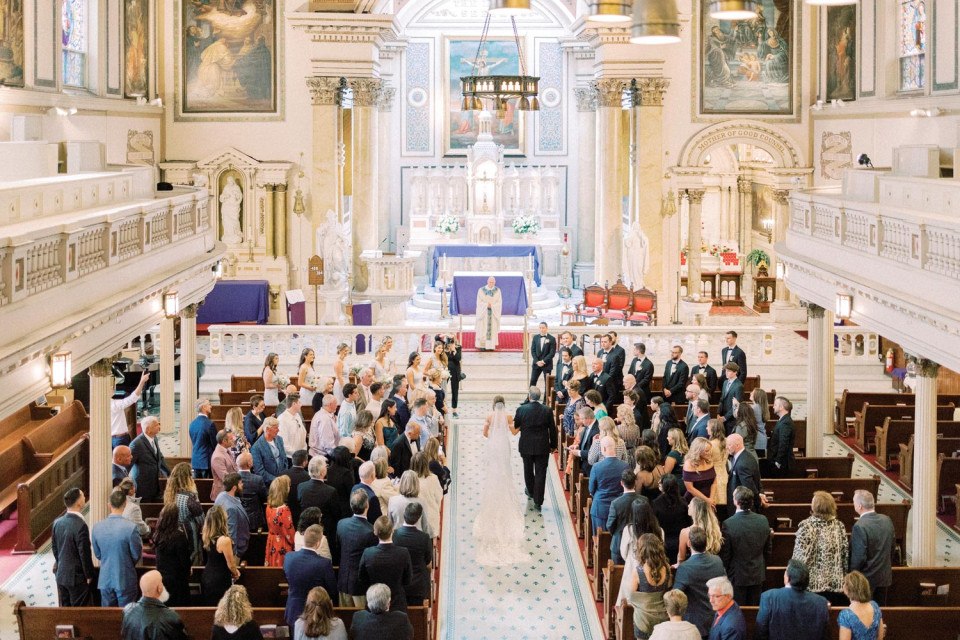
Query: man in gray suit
(871, 546)
(118, 547)
(691, 578)
(148, 463)
(747, 542)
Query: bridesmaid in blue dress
(862, 619)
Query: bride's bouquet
(282, 380)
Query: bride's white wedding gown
(498, 529)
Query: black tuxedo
(389, 625)
(709, 372)
(642, 370)
(400, 455)
(73, 564)
(586, 440)
(354, 535)
(747, 542)
(675, 376)
(538, 437)
(737, 355)
(542, 348)
(744, 472)
(421, 559)
(559, 377)
(616, 359)
(729, 391)
(604, 386)
(317, 493)
(780, 447)
(617, 519)
(148, 464)
(389, 564)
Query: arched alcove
(784, 151)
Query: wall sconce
(844, 305)
(61, 369)
(781, 270)
(171, 304)
(668, 206)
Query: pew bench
(802, 489)
(827, 467)
(872, 416)
(893, 433)
(57, 434)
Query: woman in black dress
(173, 555)
(671, 511)
(221, 568)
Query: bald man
(149, 618)
(744, 472)
(122, 459)
(605, 482)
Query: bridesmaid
(343, 350)
(414, 374)
(271, 387)
(306, 376)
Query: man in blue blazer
(72, 563)
(387, 563)
(203, 436)
(691, 577)
(605, 482)
(731, 389)
(353, 536)
(117, 545)
(306, 569)
(586, 440)
(269, 456)
(701, 416)
(399, 395)
(793, 613)
(368, 474)
(729, 623)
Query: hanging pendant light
(509, 7)
(655, 22)
(830, 3)
(732, 9)
(499, 88)
(609, 10)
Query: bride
(498, 530)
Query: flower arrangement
(717, 250)
(448, 224)
(282, 380)
(356, 369)
(525, 224)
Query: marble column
(745, 234)
(366, 203)
(694, 241)
(660, 276)
(819, 377)
(923, 515)
(280, 219)
(167, 356)
(385, 164)
(101, 455)
(326, 183)
(608, 230)
(586, 185)
(781, 217)
(266, 211)
(188, 374)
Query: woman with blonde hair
(343, 350)
(703, 516)
(431, 493)
(862, 620)
(318, 620)
(823, 548)
(673, 463)
(648, 579)
(383, 486)
(438, 463)
(233, 619)
(581, 374)
(607, 428)
(718, 444)
(222, 565)
(698, 471)
(181, 490)
(409, 488)
(280, 530)
(628, 426)
(233, 423)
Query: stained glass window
(74, 42)
(912, 43)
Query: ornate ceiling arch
(781, 148)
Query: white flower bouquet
(525, 224)
(448, 224)
(282, 380)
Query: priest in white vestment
(489, 307)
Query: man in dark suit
(543, 348)
(728, 623)
(747, 542)
(304, 570)
(380, 621)
(72, 562)
(368, 474)
(733, 353)
(871, 545)
(619, 513)
(675, 375)
(420, 547)
(122, 458)
(602, 384)
(538, 438)
(403, 448)
(732, 389)
(591, 430)
(387, 563)
(566, 340)
(399, 394)
(316, 492)
(203, 436)
(701, 416)
(744, 472)
(298, 475)
(269, 454)
(691, 578)
(354, 535)
(642, 369)
(562, 374)
(780, 443)
(708, 372)
(792, 613)
(613, 358)
(254, 495)
(147, 461)
(604, 485)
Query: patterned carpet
(548, 597)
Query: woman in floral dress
(279, 522)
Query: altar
(485, 259)
(463, 293)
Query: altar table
(236, 301)
(463, 294)
(469, 257)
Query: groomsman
(709, 372)
(601, 383)
(563, 373)
(566, 340)
(675, 375)
(733, 353)
(642, 369)
(543, 347)
(732, 389)
(612, 368)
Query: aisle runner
(548, 597)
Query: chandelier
(498, 88)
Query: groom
(538, 439)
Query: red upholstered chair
(619, 298)
(644, 307)
(594, 302)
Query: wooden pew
(802, 489)
(601, 556)
(828, 467)
(57, 434)
(852, 401)
(948, 475)
(261, 583)
(219, 411)
(204, 486)
(251, 384)
(16, 463)
(945, 446)
(892, 433)
(103, 623)
(787, 517)
(873, 416)
(907, 589)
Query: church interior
(195, 194)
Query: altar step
(543, 299)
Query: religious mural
(762, 207)
(464, 58)
(11, 43)
(136, 47)
(228, 56)
(746, 66)
(841, 52)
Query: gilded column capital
(586, 98)
(280, 186)
(189, 311)
(366, 91)
(743, 185)
(101, 368)
(385, 104)
(815, 311)
(925, 367)
(652, 90)
(695, 195)
(609, 91)
(323, 90)
(781, 196)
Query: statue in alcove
(231, 198)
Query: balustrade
(858, 230)
(897, 240)
(90, 251)
(823, 223)
(943, 252)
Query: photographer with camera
(454, 355)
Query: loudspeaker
(403, 239)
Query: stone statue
(636, 256)
(332, 246)
(230, 199)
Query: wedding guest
(182, 491)
(380, 621)
(132, 510)
(699, 474)
(420, 547)
(718, 444)
(729, 623)
(386, 428)
(822, 546)
(148, 464)
(574, 403)
(149, 617)
(703, 518)
(72, 561)
(254, 494)
(672, 513)
(292, 430)
(376, 398)
(581, 374)
(311, 516)
(305, 570)
(648, 473)
(747, 541)
(122, 459)
(619, 513)
(298, 475)
(691, 577)
(222, 462)
(316, 492)
(628, 428)
(607, 428)
(792, 613)
(172, 548)
(871, 545)
(119, 429)
(118, 547)
(238, 525)
(780, 443)
(253, 420)
(676, 628)
(677, 450)
(368, 474)
(318, 621)
(280, 531)
(269, 453)
(386, 563)
(645, 584)
(409, 492)
(233, 619)
(747, 427)
(222, 564)
(642, 520)
(862, 620)
(203, 435)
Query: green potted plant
(760, 260)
